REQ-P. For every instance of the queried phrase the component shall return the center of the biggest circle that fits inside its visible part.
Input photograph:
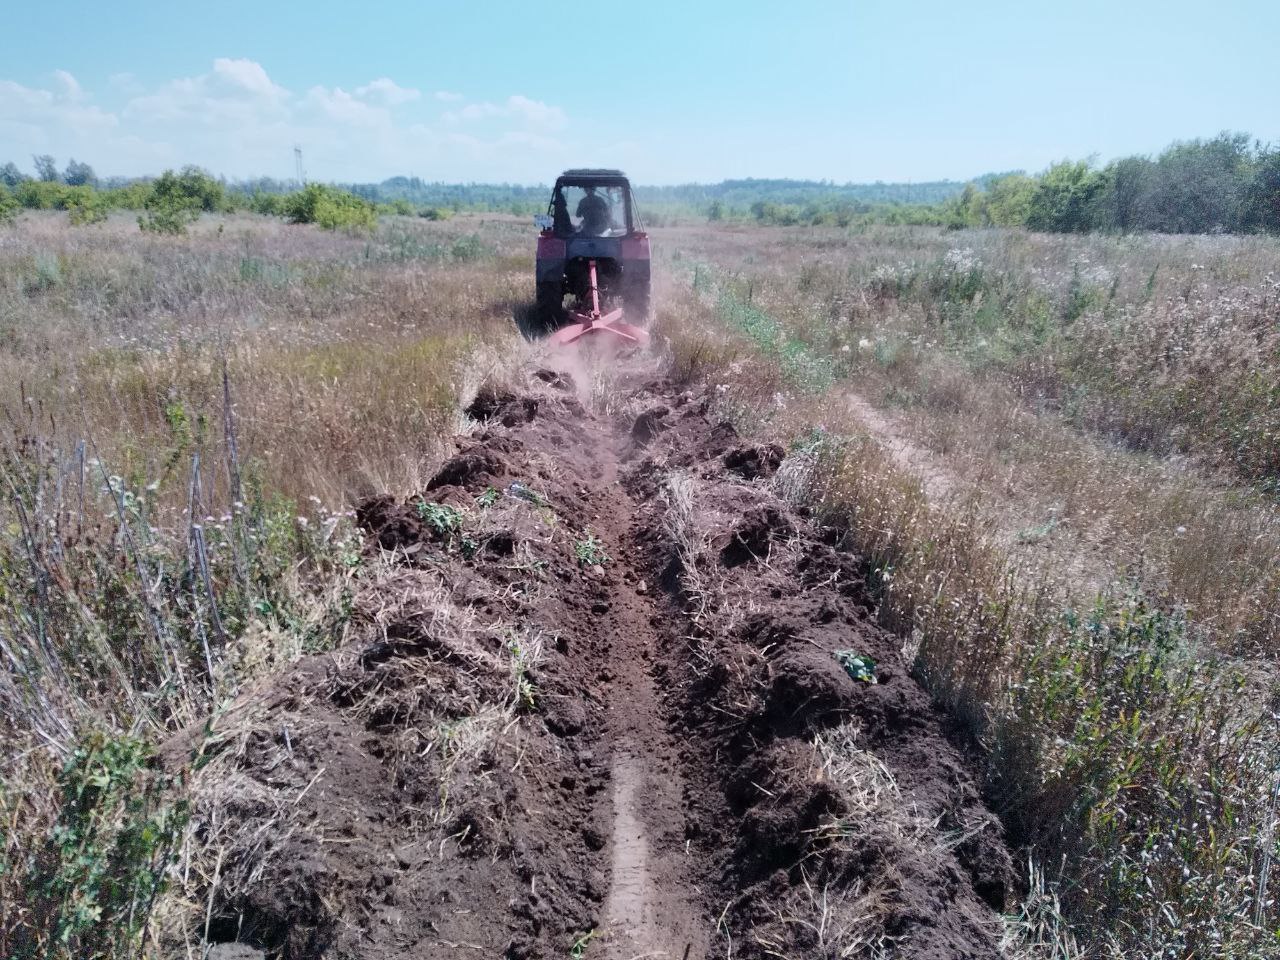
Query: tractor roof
(593, 175)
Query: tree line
(174, 200)
(1226, 184)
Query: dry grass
(188, 421)
(1101, 614)
(345, 344)
(1095, 595)
(680, 522)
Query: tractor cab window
(590, 211)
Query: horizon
(849, 94)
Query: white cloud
(474, 111)
(248, 76)
(532, 114)
(337, 104)
(238, 91)
(70, 86)
(30, 105)
(234, 119)
(388, 91)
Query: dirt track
(650, 754)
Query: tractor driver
(595, 213)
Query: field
(917, 594)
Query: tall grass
(1131, 745)
(186, 424)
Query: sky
(672, 92)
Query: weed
(525, 652)
(579, 948)
(470, 248)
(590, 552)
(443, 520)
(106, 855)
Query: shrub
(131, 197)
(85, 205)
(177, 200)
(41, 195)
(330, 208)
(1064, 198)
(469, 248)
(268, 204)
(105, 858)
(8, 206)
(167, 217)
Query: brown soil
(651, 779)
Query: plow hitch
(585, 318)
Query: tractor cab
(592, 248)
(594, 204)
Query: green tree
(85, 205)
(1008, 200)
(1128, 180)
(178, 199)
(41, 194)
(9, 206)
(10, 175)
(46, 167)
(1064, 199)
(1197, 186)
(330, 208)
(966, 210)
(78, 174)
(269, 204)
(130, 197)
(1261, 207)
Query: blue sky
(673, 92)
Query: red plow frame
(582, 324)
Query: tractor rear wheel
(635, 305)
(550, 304)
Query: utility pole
(297, 162)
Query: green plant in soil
(445, 521)
(104, 859)
(523, 655)
(590, 552)
(580, 943)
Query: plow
(592, 248)
(584, 320)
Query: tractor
(592, 248)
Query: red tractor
(593, 249)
